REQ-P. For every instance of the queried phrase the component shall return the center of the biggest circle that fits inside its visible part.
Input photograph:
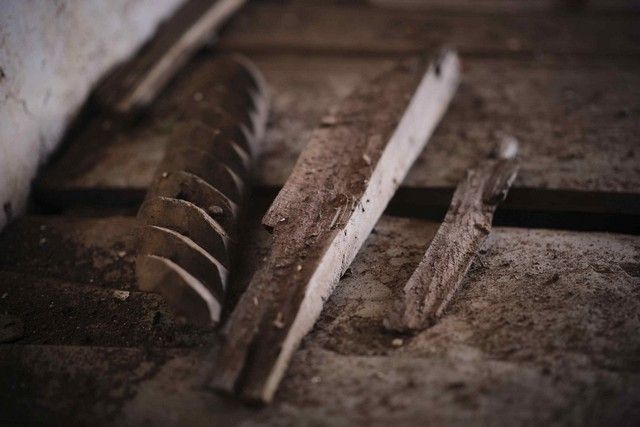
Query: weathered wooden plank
(91, 251)
(306, 28)
(63, 313)
(466, 226)
(575, 121)
(134, 84)
(339, 188)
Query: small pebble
(315, 380)
(164, 174)
(328, 121)
(278, 322)
(121, 295)
(121, 254)
(397, 342)
(299, 267)
(5, 295)
(366, 159)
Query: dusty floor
(544, 330)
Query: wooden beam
(465, 227)
(348, 29)
(340, 186)
(136, 83)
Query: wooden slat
(134, 84)
(464, 229)
(360, 30)
(339, 188)
(575, 120)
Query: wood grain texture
(337, 191)
(465, 228)
(134, 84)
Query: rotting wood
(467, 224)
(339, 187)
(192, 207)
(135, 84)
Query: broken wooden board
(357, 29)
(464, 229)
(574, 119)
(339, 188)
(86, 251)
(134, 84)
(515, 328)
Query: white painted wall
(51, 53)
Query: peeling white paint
(51, 53)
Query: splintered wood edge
(424, 110)
(432, 285)
(177, 55)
